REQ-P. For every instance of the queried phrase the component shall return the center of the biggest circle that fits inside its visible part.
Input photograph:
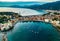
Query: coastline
(54, 25)
(33, 21)
(57, 27)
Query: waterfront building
(47, 20)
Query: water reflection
(33, 31)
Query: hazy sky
(30, 0)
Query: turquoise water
(33, 31)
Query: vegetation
(5, 16)
(56, 13)
(3, 19)
(55, 19)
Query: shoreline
(54, 25)
(57, 27)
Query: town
(8, 19)
(53, 18)
(50, 17)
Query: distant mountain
(15, 6)
(46, 6)
(51, 6)
(21, 3)
(31, 5)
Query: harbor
(29, 20)
(12, 23)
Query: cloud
(29, 0)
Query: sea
(32, 31)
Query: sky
(29, 0)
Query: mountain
(31, 5)
(51, 6)
(21, 3)
(46, 6)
